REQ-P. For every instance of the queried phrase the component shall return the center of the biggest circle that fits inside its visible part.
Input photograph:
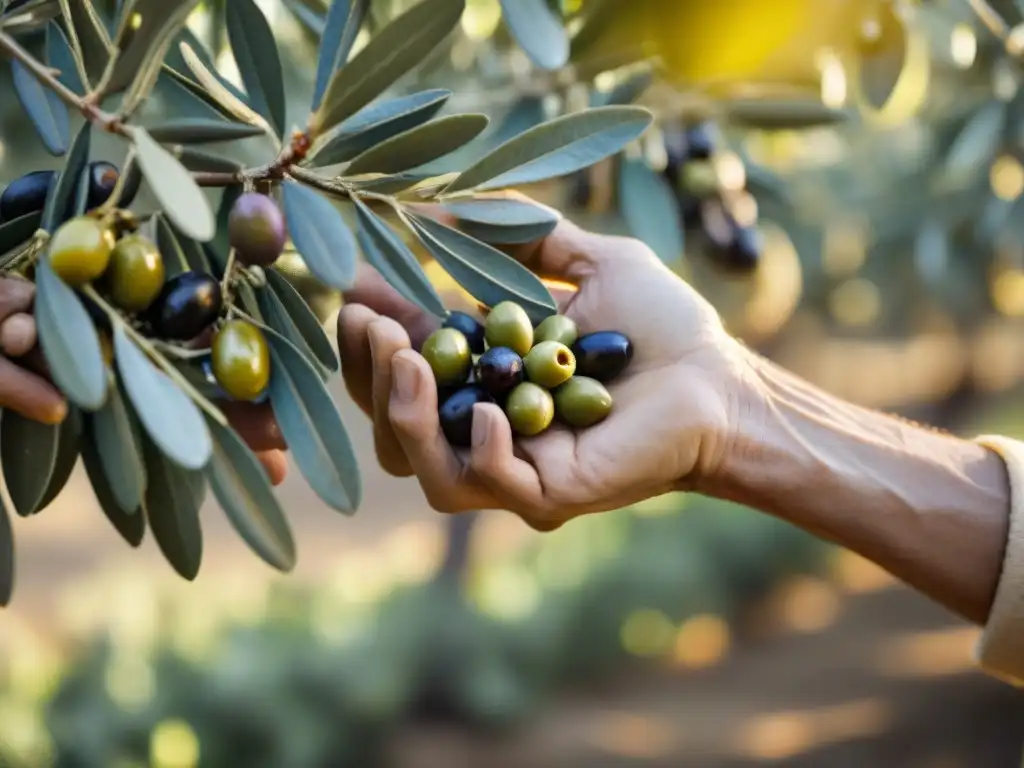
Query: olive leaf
(168, 416)
(255, 52)
(146, 30)
(391, 53)
(419, 145)
(538, 30)
(391, 185)
(377, 123)
(198, 130)
(385, 252)
(130, 523)
(6, 557)
(556, 148)
(312, 427)
(526, 113)
(119, 450)
(975, 143)
(185, 96)
(187, 254)
(273, 313)
(338, 35)
(173, 498)
(28, 452)
(197, 160)
(177, 192)
(18, 231)
(69, 341)
(88, 37)
(175, 60)
(241, 486)
(44, 108)
(60, 57)
(310, 19)
(486, 273)
(651, 209)
(320, 235)
(219, 249)
(504, 222)
(68, 448)
(625, 92)
(768, 114)
(218, 91)
(305, 320)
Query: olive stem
(990, 17)
(179, 353)
(158, 359)
(229, 274)
(115, 196)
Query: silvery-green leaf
(376, 123)
(625, 92)
(173, 498)
(276, 317)
(43, 107)
(768, 114)
(170, 248)
(556, 148)
(344, 20)
(119, 452)
(197, 160)
(976, 143)
(391, 185)
(504, 222)
(651, 209)
(195, 257)
(539, 32)
(18, 231)
(68, 446)
(130, 524)
(184, 96)
(169, 417)
(320, 235)
(59, 56)
(419, 145)
(146, 31)
(28, 452)
(312, 428)
(310, 19)
(255, 51)
(69, 341)
(176, 60)
(486, 273)
(526, 113)
(180, 197)
(391, 53)
(192, 130)
(207, 78)
(218, 249)
(241, 486)
(309, 326)
(385, 252)
(89, 38)
(6, 557)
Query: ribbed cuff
(1000, 652)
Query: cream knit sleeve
(1001, 649)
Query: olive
(469, 327)
(582, 402)
(699, 179)
(549, 364)
(508, 325)
(556, 328)
(26, 194)
(240, 359)
(530, 409)
(699, 141)
(217, 392)
(80, 250)
(498, 370)
(447, 352)
(456, 414)
(136, 273)
(103, 178)
(187, 306)
(256, 229)
(602, 355)
(743, 253)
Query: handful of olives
(536, 374)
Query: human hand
(673, 406)
(256, 425)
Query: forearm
(930, 508)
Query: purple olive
(499, 370)
(256, 229)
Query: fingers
(16, 295)
(495, 463)
(373, 291)
(387, 338)
(255, 424)
(276, 465)
(17, 335)
(28, 394)
(354, 350)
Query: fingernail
(481, 427)
(403, 380)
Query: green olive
(508, 325)
(530, 409)
(447, 352)
(80, 250)
(549, 364)
(240, 359)
(582, 402)
(136, 273)
(556, 328)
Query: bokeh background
(889, 269)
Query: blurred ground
(876, 677)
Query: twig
(990, 17)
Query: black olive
(499, 370)
(456, 414)
(187, 306)
(699, 141)
(470, 327)
(602, 355)
(26, 194)
(743, 253)
(103, 178)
